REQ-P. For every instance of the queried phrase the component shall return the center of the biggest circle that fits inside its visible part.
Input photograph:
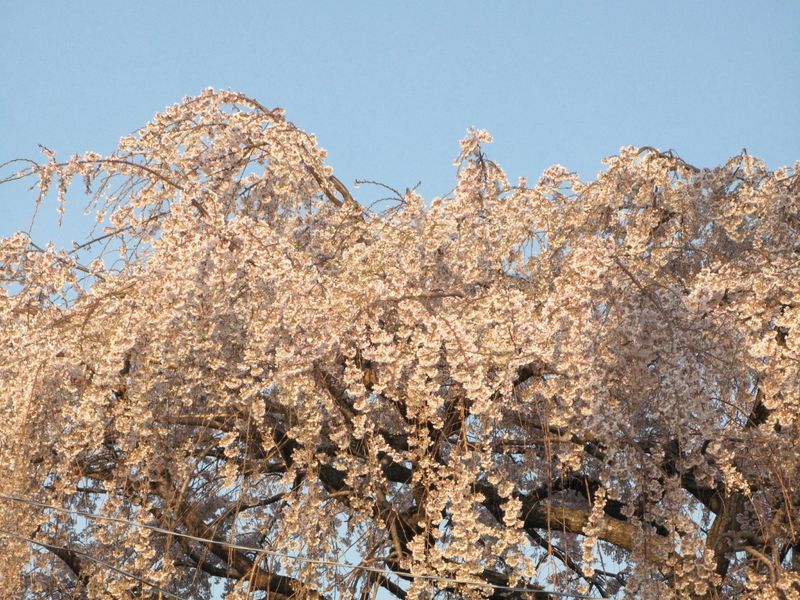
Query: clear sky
(390, 87)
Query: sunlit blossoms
(244, 383)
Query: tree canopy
(246, 383)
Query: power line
(103, 563)
(311, 561)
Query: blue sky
(390, 87)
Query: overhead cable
(311, 561)
(107, 565)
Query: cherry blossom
(245, 379)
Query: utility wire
(48, 546)
(311, 561)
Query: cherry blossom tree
(247, 384)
